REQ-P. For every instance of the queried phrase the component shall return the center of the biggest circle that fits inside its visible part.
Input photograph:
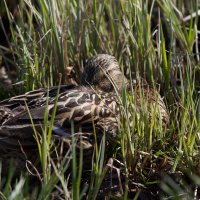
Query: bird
(84, 105)
(94, 102)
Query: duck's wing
(13, 106)
(32, 96)
(82, 106)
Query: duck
(94, 99)
(94, 102)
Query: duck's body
(82, 105)
(94, 102)
(79, 104)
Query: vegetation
(154, 41)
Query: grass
(153, 43)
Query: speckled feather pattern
(94, 101)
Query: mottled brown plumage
(81, 104)
(95, 101)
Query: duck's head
(103, 73)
